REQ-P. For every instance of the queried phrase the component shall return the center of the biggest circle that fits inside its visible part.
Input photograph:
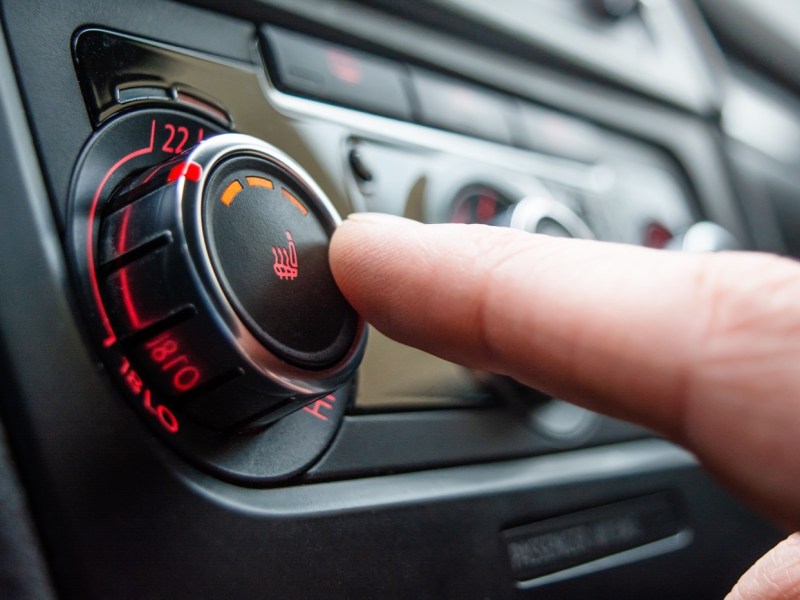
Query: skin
(701, 348)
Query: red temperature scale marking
(133, 380)
(190, 170)
(125, 288)
(110, 336)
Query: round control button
(704, 236)
(170, 330)
(268, 243)
(215, 278)
(546, 216)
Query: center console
(192, 405)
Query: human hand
(701, 348)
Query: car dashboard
(153, 448)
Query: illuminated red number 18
(163, 351)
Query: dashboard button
(542, 215)
(142, 93)
(310, 67)
(705, 236)
(551, 132)
(460, 107)
(270, 251)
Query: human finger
(700, 348)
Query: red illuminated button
(344, 65)
(454, 105)
(192, 171)
(309, 67)
(548, 131)
(657, 236)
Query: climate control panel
(200, 255)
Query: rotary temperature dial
(215, 277)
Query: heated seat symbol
(285, 265)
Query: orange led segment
(259, 182)
(234, 187)
(290, 197)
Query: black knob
(216, 278)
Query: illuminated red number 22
(179, 136)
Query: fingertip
(358, 247)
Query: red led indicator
(286, 265)
(464, 98)
(486, 209)
(344, 66)
(461, 214)
(191, 170)
(657, 236)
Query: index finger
(695, 347)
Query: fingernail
(374, 218)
